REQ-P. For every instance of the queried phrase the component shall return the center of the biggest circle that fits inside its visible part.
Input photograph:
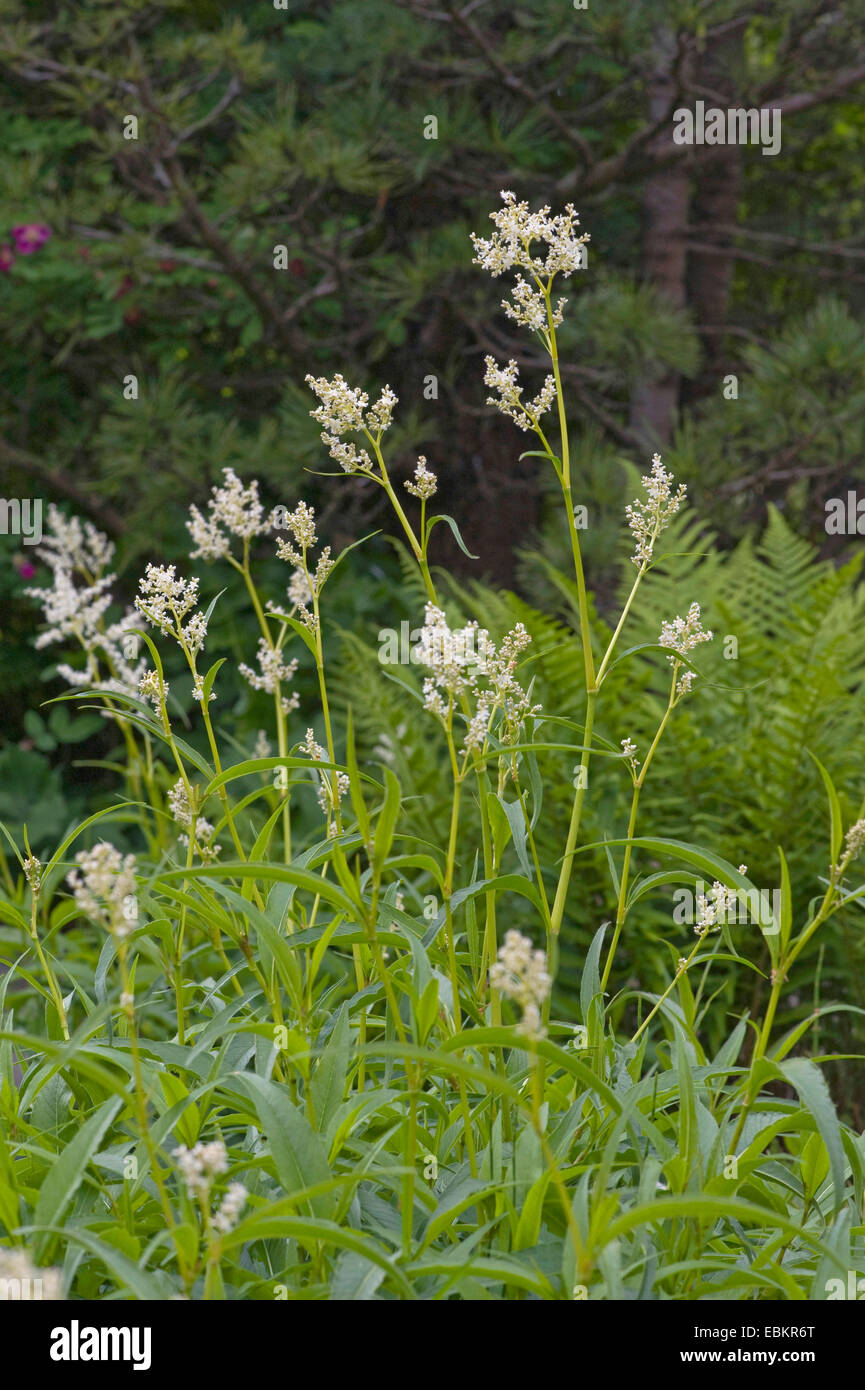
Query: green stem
(671, 986)
(53, 986)
(638, 786)
(558, 910)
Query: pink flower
(30, 236)
(23, 566)
(7, 258)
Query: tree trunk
(717, 187)
(664, 258)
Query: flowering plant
(348, 1018)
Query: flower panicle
(516, 231)
(649, 516)
(104, 889)
(466, 662)
(520, 973)
(345, 410)
(233, 511)
(681, 636)
(508, 396)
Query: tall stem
(623, 890)
(585, 636)
(53, 986)
(632, 822)
(574, 827)
(281, 732)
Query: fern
(785, 675)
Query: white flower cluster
(73, 550)
(198, 686)
(854, 841)
(855, 838)
(230, 1208)
(466, 660)
(528, 307)
(682, 635)
(200, 1165)
(166, 600)
(299, 590)
(629, 748)
(71, 544)
(520, 973)
(233, 509)
(304, 585)
(326, 799)
(151, 688)
(17, 1264)
(202, 831)
(509, 395)
(301, 523)
(103, 887)
(517, 228)
(455, 658)
(70, 610)
(33, 872)
(272, 672)
(713, 910)
(380, 416)
(343, 411)
(425, 483)
(648, 517)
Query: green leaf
(443, 516)
(355, 787)
(712, 865)
(836, 823)
(329, 1078)
(263, 1226)
(504, 883)
(786, 902)
(810, 1084)
(301, 630)
(212, 673)
(517, 821)
(499, 824)
(65, 1174)
(387, 818)
(355, 1278)
(590, 984)
(298, 1152)
(143, 1286)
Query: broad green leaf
(298, 1152)
(329, 1077)
(810, 1083)
(66, 1173)
(836, 821)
